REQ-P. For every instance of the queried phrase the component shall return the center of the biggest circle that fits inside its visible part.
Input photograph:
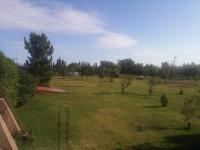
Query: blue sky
(148, 31)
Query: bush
(180, 92)
(26, 89)
(8, 78)
(163, 100)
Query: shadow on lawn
(119, 93)
(75, 86)
(106, 93)
(179, 142)
(155, 106)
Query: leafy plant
(125, 82)
(180, 92)
(190, 106)
(8, 78)
(163, 100)
(26, 89)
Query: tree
(26, 88)
(40, 61)
(126, 66)
(8, 78)
(125, 82)
(180, 92)
(151, 83)
(190, 70)
(165, 70)
(108, 69)
(85, 69)
(73, 67)
(163, 100)
(60, 67)
(190, 106)
(151, 70)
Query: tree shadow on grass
(75, 86)
(137, 94)
(106, 93)
(144, 146)
(154, 106)
(177, 142)
(185, 141)
(119, 93)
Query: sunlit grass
(101, 118)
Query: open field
(101, 118)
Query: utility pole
(174, 66)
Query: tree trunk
(122, 91)
(111, 80)
(82, 76)
(189, 125)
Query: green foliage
(151, 83)
(180, 92)
(163, 100)
(165, 70)
(125, 82)
(8, 78)
(27, 86)
(150, 90)
(117, 116)
(60, 67)
(85, 69)
(40, 61)
(189, 108)
(151, 70)
(73, 67)
(108, 69)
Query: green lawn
(102, 119)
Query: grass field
(100, 118)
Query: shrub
(125, 82)
(180, 92)
(26, 89)
(189, 108)
(8, 78)
(150, 90)
(163, 100)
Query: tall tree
(108, 69)
(8, 78)
(85, 69)
(40, 61)
(126, 65)
(60, 67)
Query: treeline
(127, 66)
(18, 82)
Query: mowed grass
(100, 118)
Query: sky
(147, 31)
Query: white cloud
(21, 14)
(116, 40)
(25, 15)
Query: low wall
(6, 140)
(8, 117)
